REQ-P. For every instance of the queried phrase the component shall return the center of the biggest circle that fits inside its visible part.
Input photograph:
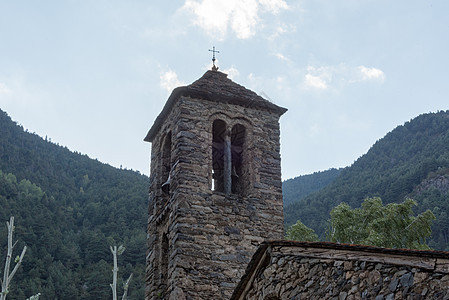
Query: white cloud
(273, 6)
(318, 78)
(340, 75)
(213, 16)
(242, 16)
(280, 80)
(281, 57)
(255, 82)
(315, 82)
(281, 29)
(371, 73)
(169, 80)
(232, 72)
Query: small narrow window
(238, 134)
(164, 261)
(166, 164)
(218, 152)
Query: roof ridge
(215, 86)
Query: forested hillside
(410, 161)
(69, 209)
(299, 187)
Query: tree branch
(126, 286)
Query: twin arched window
(227, 157)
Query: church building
(215, 226)
(215, 188)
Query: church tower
(215, 188)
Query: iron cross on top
(213, 58)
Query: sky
(93, 75)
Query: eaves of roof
(214, 86)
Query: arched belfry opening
(238, 134)
(227, 157)
(215, 188)
(218, 155)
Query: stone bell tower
(215, 188)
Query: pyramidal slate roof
(214, 86)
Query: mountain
(299, 187)
(410, 161)
(68, 210)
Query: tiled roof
(217, 86)
(214, 86)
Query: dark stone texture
(407, 279)
(209, 232)
(298, 279)
(393, 284)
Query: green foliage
(390, 226)
(71, 208)
(411, 156)
(300, 232)
(299, 187)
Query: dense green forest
(69, 209)
(301, 186)
(410, 161)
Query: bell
(166, 186)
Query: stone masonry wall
(155, 287)
(297, 277)
(212, 236)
